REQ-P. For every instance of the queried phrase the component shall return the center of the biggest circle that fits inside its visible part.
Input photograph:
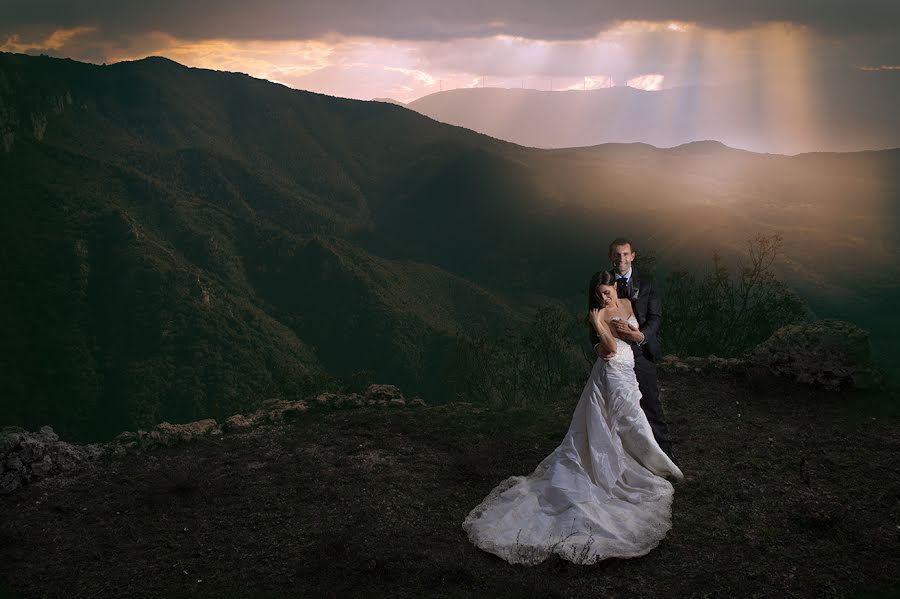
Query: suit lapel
(634, 285)
(636, 297)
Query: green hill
(168, 258)
(180, 243)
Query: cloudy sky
(405, 49)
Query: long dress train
(600, 494)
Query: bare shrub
(727, 312)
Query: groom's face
(621, 257)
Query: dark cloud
(432, 19)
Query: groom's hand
(626, 333)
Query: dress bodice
(630, 320)
(624, 355)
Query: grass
(788, 493)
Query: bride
(601, 493)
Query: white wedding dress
(600, 494)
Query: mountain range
(179, 243)
(837, 110)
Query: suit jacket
(647, 309)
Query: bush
(728, 313)
(541, 363)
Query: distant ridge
(706, 146)
(389, 101)
(852, 110)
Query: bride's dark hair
(604, 277)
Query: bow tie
(622, 287)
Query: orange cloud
(271, 60)
(55, 41)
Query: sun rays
(760, 76)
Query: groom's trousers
(645, 371)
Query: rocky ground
(789, 492)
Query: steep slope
(166, 256)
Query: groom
(644, 341)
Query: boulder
(375, 395)
(126, 437)
(829, 354)
(729, 365)
(13, 463)
(238, 422)
(170, 433)
(672, 363)
(385, 393)
(28, 457)
(9, 482)
(328, 399)
(273, 410)
(47, 435)
(42, 468)
(10, 437)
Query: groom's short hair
(620, 241)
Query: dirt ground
(789, 493)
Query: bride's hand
(596, 317)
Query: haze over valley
(842, 110)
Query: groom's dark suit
(648, 310)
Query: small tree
(727, 313)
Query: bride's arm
(607, 341)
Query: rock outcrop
(29, 457)
(828, 354)
(825, 354)
(162, 435)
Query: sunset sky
(405, 49)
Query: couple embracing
(603, 492)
